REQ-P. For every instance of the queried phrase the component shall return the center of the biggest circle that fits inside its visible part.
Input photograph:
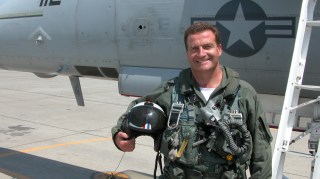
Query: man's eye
(208, 46)
(194, 49)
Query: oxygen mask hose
(235, 149)
(212, 117)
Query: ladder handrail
(292, 92)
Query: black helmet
(145, 118)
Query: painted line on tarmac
(63, 144)
(35, 149)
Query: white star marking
(240, 28)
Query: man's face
(203, 52)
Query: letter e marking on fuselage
(51, 2)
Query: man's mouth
(202, 61)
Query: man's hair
(198, 27)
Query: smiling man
(216, 127)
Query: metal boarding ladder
(294, 86)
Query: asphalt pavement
(44, 134)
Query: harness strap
(158, 160)
(236, 97)
(180, 102)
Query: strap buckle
(176, 109)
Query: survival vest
(205, 142)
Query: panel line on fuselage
(22, 15)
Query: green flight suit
(260, 156)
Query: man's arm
(261, 158)
(120, 138)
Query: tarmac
(44, 134)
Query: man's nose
(201, 52)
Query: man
(222, 130)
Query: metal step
(308, 87)
(313, 23)
(305, 104)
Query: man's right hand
(125, 144)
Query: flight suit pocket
(264, 131)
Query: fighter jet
(140, 44)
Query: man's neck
(209, 79)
